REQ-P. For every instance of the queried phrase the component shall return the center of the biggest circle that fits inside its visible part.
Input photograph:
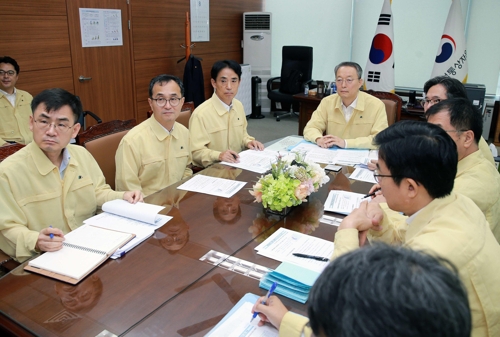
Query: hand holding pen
(270, 309)
(49, 240)
(269, 293)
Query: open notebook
(83, 250)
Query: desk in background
(308, 104)
(161, 287)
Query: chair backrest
(7, 150)
(184, 116)
(102, 141)
(393, 104)
(296, 68)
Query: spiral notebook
(84, 249)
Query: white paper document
(284, 242)
(255, 161)
(213, 186)
(343, 202)
(140, 219)
(351, 157)
(315, 153)
(285, 144)
(363, 174)
(239, 325)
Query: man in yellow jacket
(218, 127)
(416, 171)
(412, 294)
(15, 109)
(50, 186)
(477, 178)
(350, 118)
(155, 153)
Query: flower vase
(281, 213)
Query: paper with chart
(343, 202)
(284, 242)
(255, 161)
(363, 174)
(214, 186)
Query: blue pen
(51, 234)
(269, 293)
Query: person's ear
(214, 84)
(412, 187)
(468, 138)
(31, 123)
(76, 129)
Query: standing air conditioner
(257, 49)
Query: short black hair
(161, 79)
(10, 60)
(56, 98)
(354, 65)
(219, 65)
(389, 291)
(463, 115)
(454, 88)
(421, 151)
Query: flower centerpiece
(289, 182)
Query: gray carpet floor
(267, 129)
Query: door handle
(83, 78)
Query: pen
(305, 256)
(372, 194)
(269, 293)
(51, 234)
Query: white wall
(418, 25)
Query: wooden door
(110, 92)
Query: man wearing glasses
(350, 118)
(440, 88)
(155, 153)
(476, 177)
(416, 171)
(15, 108)
(49, 187)
(219, 125)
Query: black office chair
(82, 122)
(296, 71)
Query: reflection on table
(161, 286)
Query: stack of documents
(140, 219)
(296, 275)
(294, 281)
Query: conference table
(161, 288)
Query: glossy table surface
(161, 287)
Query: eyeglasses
(347, 81)
(425, 102)
(8, 73)
(161, 102)
(44, 125)
(377, 176)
